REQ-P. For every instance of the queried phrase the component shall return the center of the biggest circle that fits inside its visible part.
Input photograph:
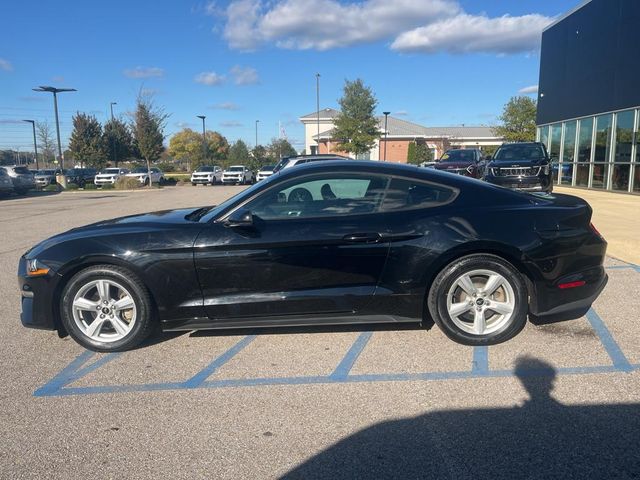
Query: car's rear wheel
(479, 300)
(107, 309)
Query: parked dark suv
(521, 166)
(81, 176)
(462, 161)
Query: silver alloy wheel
(104, 310)
(481, 302)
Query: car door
(313, 246)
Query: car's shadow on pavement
(540, 439)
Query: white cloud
(531, 89)
(225, 106)
(326, 24)
(144, 72)
(474, 34)
(426, 26)
(5, 65)
(231, 124)
(209, 78)
(244, 75)
(400, 113)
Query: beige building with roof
(400, 133)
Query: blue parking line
(480, 363)
(210, 369)
(608, 342)
(349, 379)
(346, 364)
(62, 378)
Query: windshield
(235, 169)
(280, 165)
(458, 156)
(511, 153)
(111, 170)
(205, 169)
(268, 168)
(21, 170)
(139, 170)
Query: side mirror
(241, 218)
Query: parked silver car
(22, 178)
(46, 177)
(6, 185)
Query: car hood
(145, 222)
(516, 163)
(451, 165)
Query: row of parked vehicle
(234, 175)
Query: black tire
(440, 290)
(144, 322)
(193, 184)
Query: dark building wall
(590, 62)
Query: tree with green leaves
(356, 127)
(418, 153)
(148, 130)
(86, 144)
(238, 154)
(278, 148)
(518, 120)
(259, 157)
(188, 144)
(118, 140)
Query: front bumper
(104, 181)
(37, 298)
(43, 182)
(527, 184)
(203, 180)
(231, 179)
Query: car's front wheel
(107, 309)
(479, 299)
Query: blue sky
(434, 62)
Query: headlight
(545, 169)
(36, 268)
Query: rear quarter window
(405, 194)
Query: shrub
(51, 188)
(127, 183)
(72, 186)
(90, 186)
(107, 186)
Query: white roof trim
(565, 15)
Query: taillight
(595, 230)
(564, 286)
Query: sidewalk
(617, 217)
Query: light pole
(35, 145)
(204, 138)
(318, 111)
(55, 92)
(257, 132)
(113, 145)
(386, 118)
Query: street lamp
(257, 132)
(55, 92)
(386, 118)
(111, 106)
(318, 111)
(204, 137)
(35, 145)
(113, 145)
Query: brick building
(400, 133)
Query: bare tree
(46, 141)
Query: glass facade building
(588, 98)
(599, 151)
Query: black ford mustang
(328, 243)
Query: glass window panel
(620, 177)
(636, 179)
(603, 138)
(624, 136)
(582, 174)
(544, 136)
(566, 173)
(600, 175)
(569, 145)
(584, 140)
(556, 137)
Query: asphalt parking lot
(558, 401)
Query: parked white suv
(265, 172)
(142, 175)
(108, 176)
(207, 175)
(237, 174)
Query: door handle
(362, 237)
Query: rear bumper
(553, 304)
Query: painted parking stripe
(480, 363)
(210, 369)
(608, 342)
(346, 364)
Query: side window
(327, 195)
(405, 194)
